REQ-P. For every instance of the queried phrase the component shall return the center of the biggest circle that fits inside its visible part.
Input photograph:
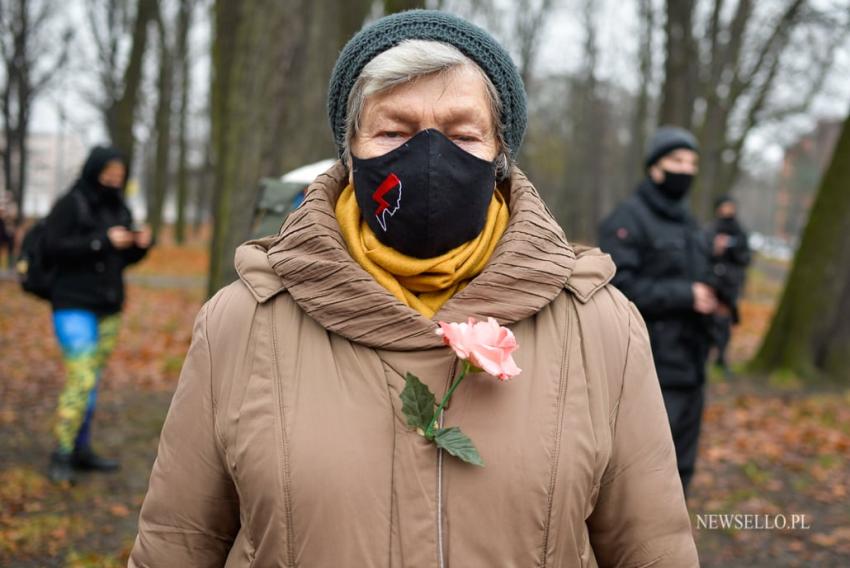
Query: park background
(211, 97)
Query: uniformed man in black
(663, 267)
(730, 256)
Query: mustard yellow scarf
(423, 284)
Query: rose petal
(455, 337)
(486, 345)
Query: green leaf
(458, 444)
(418, 402)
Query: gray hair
(407, 61)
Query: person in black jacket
(663, 267)
(90, 238)
(730, 256)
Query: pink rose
(486, 345)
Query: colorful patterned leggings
(86, 341)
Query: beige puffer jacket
(285, 444)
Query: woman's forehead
(454, 96)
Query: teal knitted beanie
(435, 25)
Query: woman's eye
(391, 134)
(463, 138)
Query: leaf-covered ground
(93, 523)
(766, 449)
(773, 448)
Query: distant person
(90, 238)
(730, 256)
(662, 266)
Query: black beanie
(723, 199)
(665, 140)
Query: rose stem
(430, 431)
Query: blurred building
(54, 161)
(802, 168)
(756, 194)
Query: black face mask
(108, 194)
(426, 197)
(727, 225)
(104, 187)
(675, 186)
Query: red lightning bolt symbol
(390, 182)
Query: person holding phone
(90, 238)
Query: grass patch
(76, 559)
(785, 379)
(755, 473)
(29, 535)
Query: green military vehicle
(280, 196)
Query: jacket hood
(532, 264)
(97, 160)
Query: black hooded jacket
(660, 252)
(89, 269)
(730, 267)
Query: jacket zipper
(440, 551)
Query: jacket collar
(252, 266)
(660, 203)
(530, 267)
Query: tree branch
(53, 70)
(731, 172)
(714, 48)
(771, 46)
(815, 84)
(529, 24)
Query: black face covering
(675, 186)
(426, 197)
(728, 225)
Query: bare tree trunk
(677, 95)
(26, 45)
(8, 137)
(304, 134)
(120, 114)
(529, 22)
(393, 6)
(810, 333)
(24, 106)
(183, 26)
(253, 51)
(593, 131)
(162, 127)
(203, 190)
(640, 120)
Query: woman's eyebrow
(395, 114)
(465, 115)
(459, 115)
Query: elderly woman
(286, 443)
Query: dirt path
(94, 522)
